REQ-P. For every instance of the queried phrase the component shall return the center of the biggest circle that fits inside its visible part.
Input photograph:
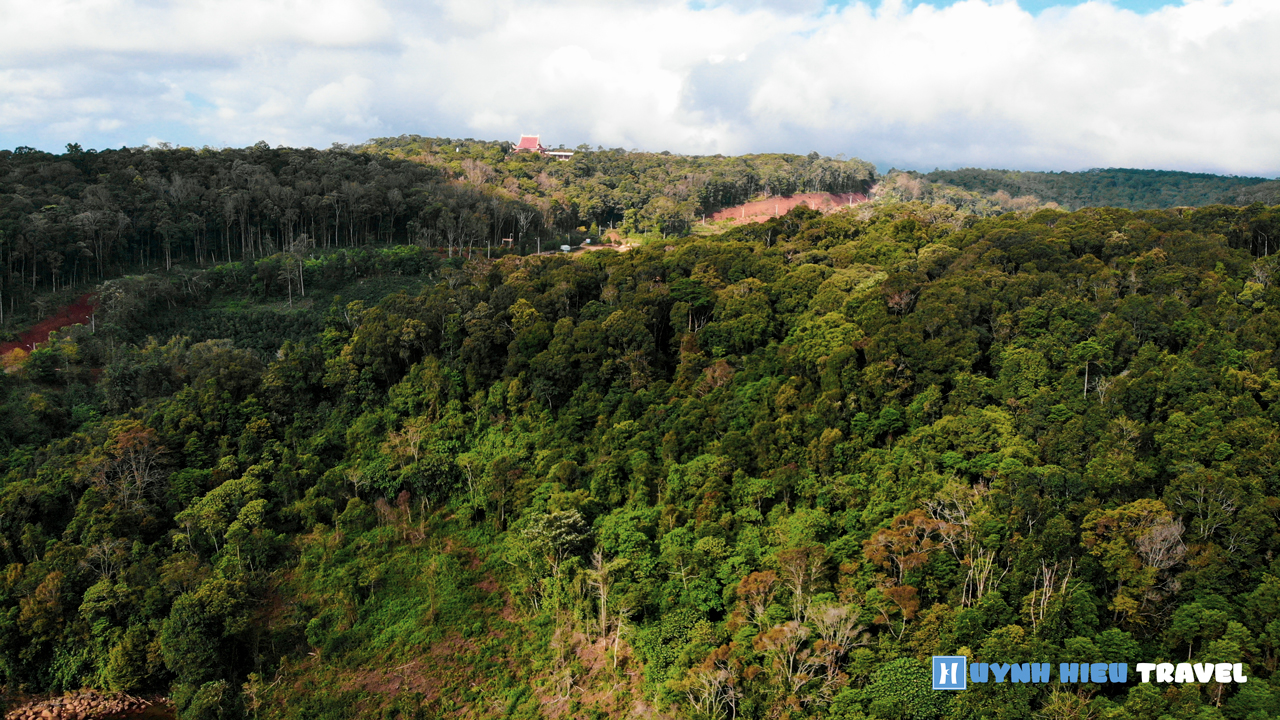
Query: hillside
(72, 220)
(632, 190)
(760, 474)
(1109, 187)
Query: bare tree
(476, 172)
(711, 686)
(756, 592)
(524, 215)
(107, 557)
(791, 664)
(1045, 584)
(620, 615)
(598, 579)
(1161, 546)
(1209, 503)
(800, 568)
(295, 261)
(357, 479)
(133, 467)
(838, 632)
(906, 544)
(956, 509)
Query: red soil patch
(762, 210)
(446, 660)
(616, 690)
(77, 313)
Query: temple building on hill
(531, 143)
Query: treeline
(85, 216)
(759, 475)
(908, 187)
(77, 218)
(640, 191)
(1267, 193)
(1110, 187)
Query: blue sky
(1036, 6)
(1139, 6)
(985, 83)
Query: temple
(531, 143)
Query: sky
(1019, 84)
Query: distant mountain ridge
(1115, 187)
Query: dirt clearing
(80, 312)
(762, 210)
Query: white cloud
(979, 82)
(51, 29)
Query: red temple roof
(529, 142)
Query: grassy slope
(435, 632)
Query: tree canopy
(760, 474)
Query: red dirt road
(78, 312)
(762, 210)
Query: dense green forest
(81, 217)
(1267, 193)
(636, 190)
(762, 474)
(1113, 187)
(330, 449)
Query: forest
(1115, 187)
(765, 473)
(82, 217)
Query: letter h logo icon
(950, 672)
